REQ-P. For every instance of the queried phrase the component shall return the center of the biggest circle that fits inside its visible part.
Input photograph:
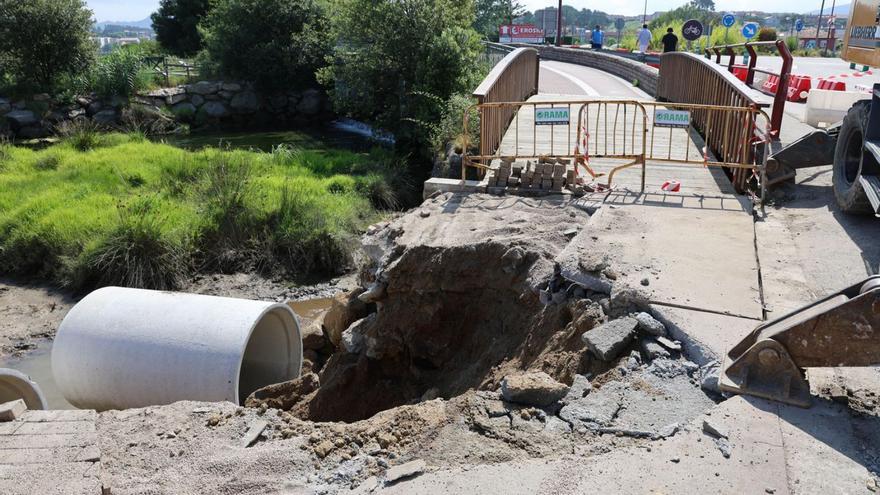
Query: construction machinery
(853, 145)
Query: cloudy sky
(134, 10)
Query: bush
(382, 68)
(767, 34)
(176, 24)
(82, 134)
(277, 44)
(44, 41)
(121, 73)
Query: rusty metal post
(732, 59)
(753, 60)
(782, 89)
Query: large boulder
(203, 88)
(245, 102)
(345, 309)
(214, 109)
(105, 117)
(19, 119)
(532, 389)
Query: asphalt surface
(569, 79)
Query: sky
(135, 10)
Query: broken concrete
(608, 340)
(649, 325)
(532, 389)
(12, 410)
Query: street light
(559, 24)
(645, 13)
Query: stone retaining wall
(201, 104)
(624, 68)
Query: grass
(117, 209)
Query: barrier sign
(750, 30)
(552, 116)
(692, 30)
(799, 25)
(728, 20)
(672, 118)
(520, 33)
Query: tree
(277, 44)
(492, 13)
(397, 62)
(176, 25)
(704, 4)
(44, 41)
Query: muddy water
(38, 364)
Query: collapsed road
(491, 342)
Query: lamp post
(645, 13)
(559, 24)
(819, 22)
(828, 29)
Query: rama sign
(552, 116)
(520, 33)
(672, 118)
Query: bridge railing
(691, 79)
(514, 78)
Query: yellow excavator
(842, 329)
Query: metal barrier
(633, 131)
(515, 78)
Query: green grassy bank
(101, 209)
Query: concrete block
(608, 340)
(12, 410)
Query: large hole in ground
(453, 319)
(273, 353)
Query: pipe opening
(16, 385)
(273, 353)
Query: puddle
(309, 309)
(38, 366)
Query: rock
(253, 432)
(214, 109)
(345, 309)
(627, 301)
(724, 446)
(710, 376)
(203, 88)
(313, 335)
(368, 486)
(184, 111)
(532, 389)
(230, 86)
(76, 113)
(669, 344)
(714, 428)
(324, 448)
(646, 282)
(650, 326)
(284, 395)
(41, 97)
(94, 107)
(32, 132)
(407, 470)
(19, 119)
(12, 410)
(310, 103)
(652, 349)
(245, 102)
(496, 409)
(598, 408)
(580, 387)
(353, 337)
(375, 292)
(105, 117)
(608, 340)
(197, 100)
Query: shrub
(767, 34)
(121, 73)
(44, 41)
(82, 134)
(176, 24)
(277, 44)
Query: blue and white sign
(728, 20)
(750, 30)
(799, 25)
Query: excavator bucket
(842, 329)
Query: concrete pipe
(16, 385)
(121, 348)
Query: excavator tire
(848, 191)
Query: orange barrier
(771, 84)
(798, 88)
(741, 72)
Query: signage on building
(552, 116)
(520, 33)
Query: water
(310, 139)
(38, 364)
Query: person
(597, 38)
(670, 41)
(644, 38)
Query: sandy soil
(29, 313)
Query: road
(570, 79)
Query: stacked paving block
(547, 174)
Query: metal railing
(630, 130)
(686, 78)
(515, 78)
(784, 73)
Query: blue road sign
(750, 30)
(728, 20)
(799, 25)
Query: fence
(168, 70)
(515, 78)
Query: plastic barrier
(741, 72)
(771, 84)
(798, 88)
(830, 84)
(829, 106)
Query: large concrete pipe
(121, 348)
(16, 385)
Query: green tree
(176, 25)
(704, 4)
(493, 13)
(767, 34)
(44, 41)
(397, 62)
(277, 44)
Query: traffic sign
(728, 20)
(799, 25)
(692, 30)
(750, 30)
